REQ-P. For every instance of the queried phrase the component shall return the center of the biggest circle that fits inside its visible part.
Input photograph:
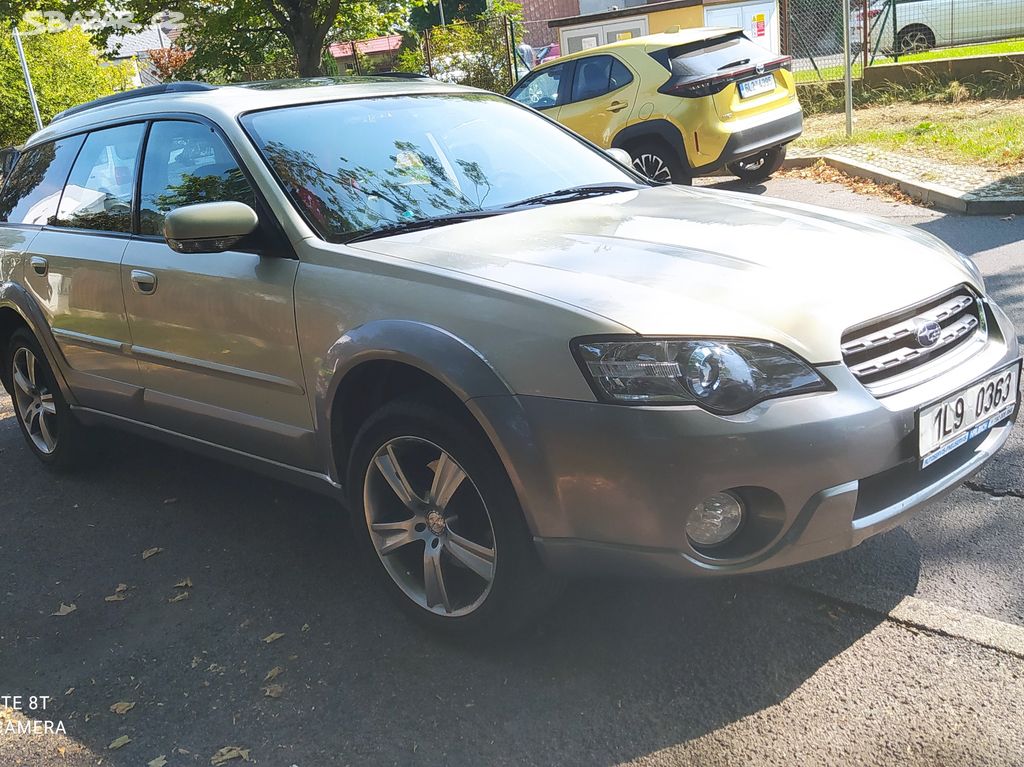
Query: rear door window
(98, 194)
(598, 75)
(32, 191)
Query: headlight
(972, 268)
(723, 376)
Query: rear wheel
(914, 38)
(759, 167)
(45, 419)
(436, 511)
(656, 160)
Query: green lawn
(993, 141)
(988, 49)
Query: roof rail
(406, 75)
(137, 93)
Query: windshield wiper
(422, 223)
(575, 193)
(732, 64)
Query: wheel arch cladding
(379, 361)
(661, 130)
(19, 310)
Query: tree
(66, 71)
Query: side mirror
(620, 156)
(209, 227)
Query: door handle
(143, 282)
(617, 106)
(39, 265)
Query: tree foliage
(66, 71)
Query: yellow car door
(601, 99)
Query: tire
(463, 564)
(50, 430)
(916, 37)
(758, 168)
(656, 160)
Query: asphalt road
(907, 650)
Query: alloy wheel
(652, 166)
(34, 400)
(915, 40)
(430, 526)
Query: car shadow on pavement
(615, 672)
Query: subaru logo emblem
(759, 69)
(928, 333)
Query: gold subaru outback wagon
(506, 354)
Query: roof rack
(406, 75)
(138, 93)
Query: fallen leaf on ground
(65, 609)
(119, 593)
(160, 761)
(179, 596)
(273, 674)
(273, 690)
(305, 627)
(122, 707)
(117, 743)
(151, 552)
(228, 753)
(271, 637)
(184, 584)
(170, 500)
(69, 691)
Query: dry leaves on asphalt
(272, 637)
(273, 690)
(822, 172)
(160, 761)
(122, 707)
(228, 753)
(178, 597)
(117, 743)
(65, 609)
(273, 674)
(151, 552)
(119, 593)
(185, 583)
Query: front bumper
(608, 488)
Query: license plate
(946, 425)
(757, 86)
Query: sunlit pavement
(907, 650)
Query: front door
(214, 333)
(602, 97)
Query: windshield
(375, 164)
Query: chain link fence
(477, 53)
(886, 31)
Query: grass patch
(988, 135)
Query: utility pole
(28, 78)
(847, 67)
(440, 5)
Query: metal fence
(478, 53)
(884, 31)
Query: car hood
(699, 262)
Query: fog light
(715, 520)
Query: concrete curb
(944, 197)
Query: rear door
(214, 333)
(603, 94)
(73, 265)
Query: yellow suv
(683, 104)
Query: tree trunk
(308, 56)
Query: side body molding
(16, 298)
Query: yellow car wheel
(659, 163)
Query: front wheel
(759, 167)
(435, 509)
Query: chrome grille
(884, 348)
